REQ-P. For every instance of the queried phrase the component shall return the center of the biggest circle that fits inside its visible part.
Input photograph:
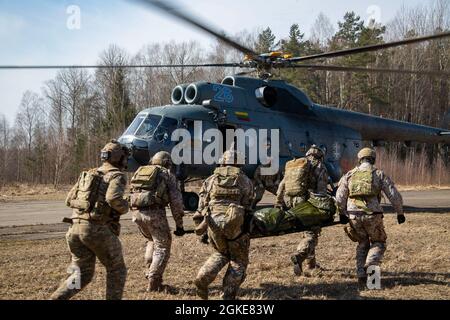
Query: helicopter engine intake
(267, 96)
(178, 93)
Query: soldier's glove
(401, 218)
(343, 219)
(179, 232)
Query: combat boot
(155, 285)
(297, 265)
(312, 267)
(362, 283)
(202, 290)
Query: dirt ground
(417, 266)
(27, 192)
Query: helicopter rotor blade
(369, 48)
(170, 9)
(245, 73)
(152, 66)
(368, 70)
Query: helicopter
(242, 102)
(256, 103)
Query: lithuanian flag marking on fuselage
(243, 116)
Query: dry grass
(27, 192)
(417, 266)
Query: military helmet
(162, 158)
(367, 153)
(232, 157)
(115, 153)
(315, 151)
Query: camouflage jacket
(110, 195)
(319, 178)
(246, 198)
(175, 197)
(319, 181)
(369, 204)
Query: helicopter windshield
(148, 126)
(135, 124)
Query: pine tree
(266, 41)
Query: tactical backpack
(228, 222)
(361, 184)
(87, 190)
(297, 177)
(225, 185)
(148, 187)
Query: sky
(77, 31)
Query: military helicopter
(241, 102)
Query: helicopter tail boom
(378, 129)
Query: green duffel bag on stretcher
(318, 211)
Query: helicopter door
(197, 129)
(223, 129)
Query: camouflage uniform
(263, 183)
(153, 224)
(94, 236)
(234, 252)
(366, 218)
(306, 250)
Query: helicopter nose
(139, 151)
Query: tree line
(60, 130)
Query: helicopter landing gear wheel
(190, 201)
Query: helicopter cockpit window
(165, 129)
(135, 124)
(148, 126)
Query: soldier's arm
(280, 193)
(175, 200)
(71, 195)
(116, 191)
(248, 194)
(257, 181)
(342, 195)
(391, 192)
(204, 195)
(322, 181)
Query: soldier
(358, 197)
(225, 199)
(264, 182)
(98, 202)
(297, 184)
(153, 188)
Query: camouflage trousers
(306, 249)
(235, 255)
(88, 241)
(369, 231)
(155, 227)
